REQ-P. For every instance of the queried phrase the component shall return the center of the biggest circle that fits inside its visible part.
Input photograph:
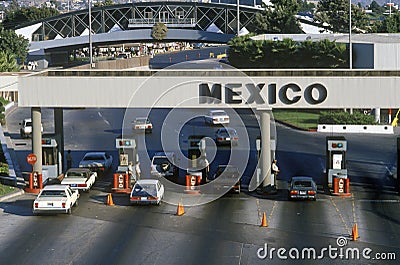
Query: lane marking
(272, 211)
(353, 208)
(101, 116)
(379, 201)
(341, 216)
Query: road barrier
(110, 201)
(354, 232)
(264, 222)
(344, 128)
(35, 183)
(180, 211)
(121, 183)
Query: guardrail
(379, 129)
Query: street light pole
(238, 17)
(90, 35)
(350, 44)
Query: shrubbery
(3, 102)
(341, 117)
(246, 53)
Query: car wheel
(69, 210)
(76, 203)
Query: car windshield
(302, 183)
(93, 157)
(73, 174)
(144, 190)
(219, 113)
(162, 164)
(160, 160)
(29, 123)
(141, 121)
(227, 171)
(53, 193)
(224, 131)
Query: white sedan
(96, 161)
(147, 191)
(142, 124)
(217, 117)
(79, 178)
(56, 199)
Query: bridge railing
(177, 22)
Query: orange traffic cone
(180, 211)
(354, 232)
(264, 220)
(110, 200)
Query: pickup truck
(26, 128)
(96, 161)
(79, 179)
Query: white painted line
(388, 201)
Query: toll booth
(125, 176)
(336, 147)
(197, 156)
(51, 159)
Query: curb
(12, 195)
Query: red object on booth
(192, 184)
(121, 183)
(35, 183)
(341, 186)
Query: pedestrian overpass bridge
(129, 23)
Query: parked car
(216, 117)
(142, 124)
(26, 128)
(81, 179)
(55, 199)
(226, 135)
(302, 187)
(96, 161)
(228, 178)
(147, 191)
(163, 165)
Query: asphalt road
(224, 231)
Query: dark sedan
(302, 187)
(226, 135)
(228, 177)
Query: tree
(159, 31)
(104, 3)
(335, 13)
(246, 53)
(304, 6)
(8, 62)
(376, 9)
(390, 25)
(14, 44)
(17, 17)
(278, 18)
